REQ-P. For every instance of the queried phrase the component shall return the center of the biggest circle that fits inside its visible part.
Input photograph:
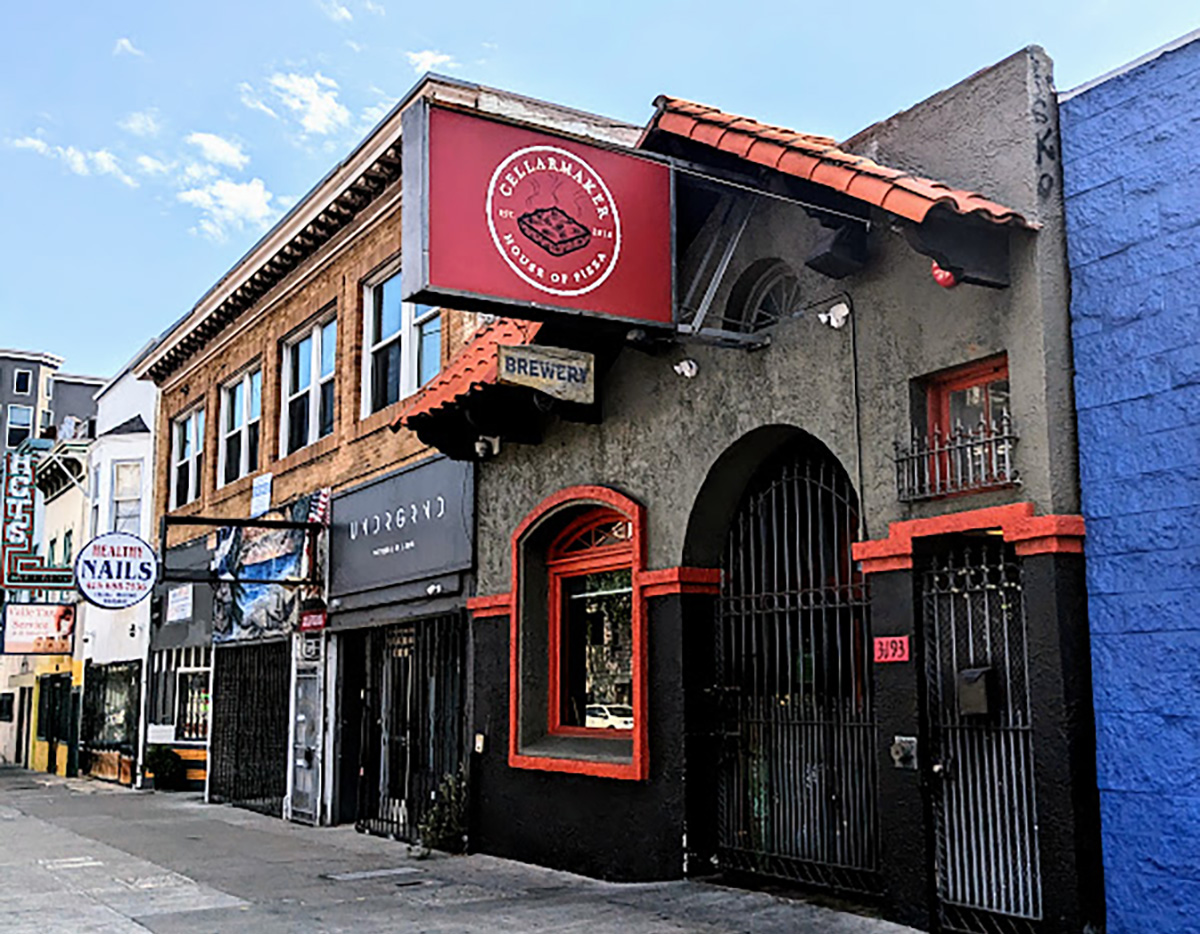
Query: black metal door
(54, 717)
(413, 721)
(248, 760)
(980, 743)
(796, 785)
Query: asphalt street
(90, 858)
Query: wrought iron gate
(413, 721)
(980, 740)
(796, 785)
(248, 761)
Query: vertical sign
(20, 565)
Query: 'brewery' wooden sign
(569, 375)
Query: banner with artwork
(244, 610)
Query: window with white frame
(20, 424)
(95, 496)
(49, 387)
(309, 386)
(241, 415)
(23, 382)
(187, 458)
(402, 344)
(127, 497)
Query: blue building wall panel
(1131, 148)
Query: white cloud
(226, 205)
(125, 46)
(152, 166)
(376, 8)
(354, 46)
(32, 143)
(105, 163)
(335, 11)
(429, 59)
(98, 161)
(251, 99)
(75, 159)
(219, 150)
(198, 172)
(370, 116)
(313, 99)
(141, 123)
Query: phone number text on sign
(891, 648)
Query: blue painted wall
(1131, 160)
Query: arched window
(578, 638)
(590, 568)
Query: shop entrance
(796, 782)
(111, 707)
(980, 765)
(249, 758)
(57, 717)
(412, 703)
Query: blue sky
(145, 146)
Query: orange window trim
(633, 555)
(938, 388)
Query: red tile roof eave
(472, 368)
(818, 159)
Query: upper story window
(402, 345)
(94, 494)
(22, 382)
(309, 386)
(187, 458)
(127, 497)
(68, 547)
(49, 387)
(962, 435)
(52, 557)
(241, 415)
(20, 424)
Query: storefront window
(578, 640)
(592, 624)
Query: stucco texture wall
(1133, 221)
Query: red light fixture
(943, 277)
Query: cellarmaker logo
(553, 220)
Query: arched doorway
(795, 789)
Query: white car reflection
(610, 716)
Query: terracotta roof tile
(819, 160)
(473, 368)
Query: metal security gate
(796, 784)
(249, 761)
(980, 739)
(413, 721)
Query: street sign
(116, 570)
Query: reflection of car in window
(610, 716)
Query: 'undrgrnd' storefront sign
(412, 525)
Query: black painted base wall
(602, 827)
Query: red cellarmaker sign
(525, 223)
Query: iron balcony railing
(961, 460)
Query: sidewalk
(84, 857)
